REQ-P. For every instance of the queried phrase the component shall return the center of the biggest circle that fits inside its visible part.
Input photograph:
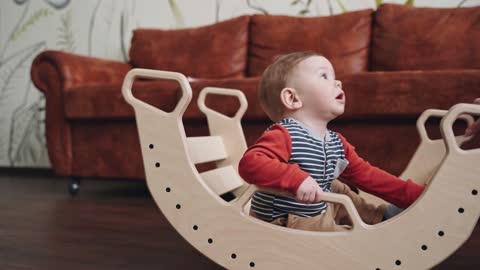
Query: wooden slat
(206, 149)
(222, 180)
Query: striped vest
(315, 156)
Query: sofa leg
(73, 185)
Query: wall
(103, 29)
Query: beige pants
(336, 217)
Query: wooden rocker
(423, 235)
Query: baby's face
(321, 94)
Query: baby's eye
(324, 75)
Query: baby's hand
(475, 127)
(309, 191)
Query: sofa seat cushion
(375, 95)
(344, 39)
(213, 51)
(406, 94)
(107, 102)
(227, 105)
(412, 38)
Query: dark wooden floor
(110, 225)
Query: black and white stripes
(314, 155)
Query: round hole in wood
(157, 164)
(178, 206)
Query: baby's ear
(290, 98)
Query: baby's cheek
(322, 100)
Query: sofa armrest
(54, 72)
(76, 70)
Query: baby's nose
(338, 84)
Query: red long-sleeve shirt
(266, 164)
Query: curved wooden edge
(157, 74)
(342, 199)
(440, 114)
(222, 91)
(447, 125)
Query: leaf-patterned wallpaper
(102, 28)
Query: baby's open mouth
(340, 96)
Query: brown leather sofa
(394, 63)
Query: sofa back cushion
(410, 38)
(213, 51)
(344, 39)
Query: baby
(301, 155)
